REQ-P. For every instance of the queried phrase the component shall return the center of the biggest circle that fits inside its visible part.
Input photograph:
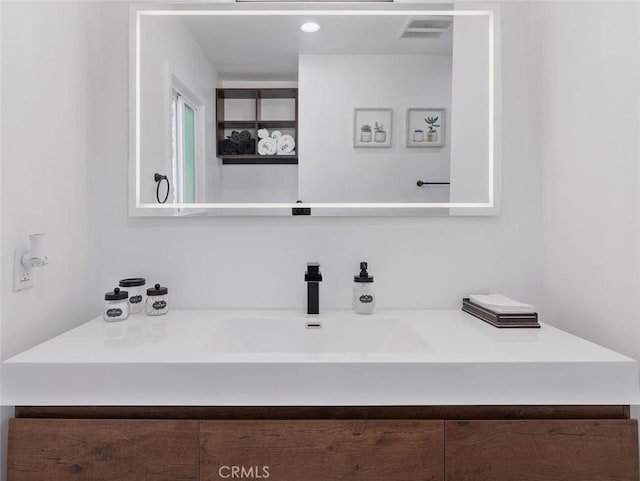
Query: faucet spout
(313, 277)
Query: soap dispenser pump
(364, 300)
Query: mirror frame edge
(137, 210)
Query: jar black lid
(132, 282)
(157, 291)
(116, 295)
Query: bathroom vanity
(405, 395)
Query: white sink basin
(269, 358)
(355, 335)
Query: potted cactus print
(425, 127)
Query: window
(184, 119)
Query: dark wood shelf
(277, 124)
(237, 93)
(254, 124)
(237, 124)
(251, 124)
(259, 159)
(278, 93)
(251, 93)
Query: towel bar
(421, 183)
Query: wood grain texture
(326, 450)
(541, 450)
(324, 412)
(98, 450)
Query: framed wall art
(372, 127)
(425, 127)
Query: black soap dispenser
(364, 298)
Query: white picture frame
(425, 127)
(380, 127)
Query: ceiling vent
(426, 27)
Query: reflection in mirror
(366, 110)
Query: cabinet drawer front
(542, 450)
(322, 450)
(97, 450)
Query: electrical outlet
(21, 275)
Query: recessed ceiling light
(309, 27)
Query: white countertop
(437, 357)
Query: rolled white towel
(267, 146)
(263, 133)
(501, 304)
(286, 144)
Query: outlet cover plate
(21, 275)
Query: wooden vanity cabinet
(542, 450)
(324, 444)
(301, 450)
(102, 450)
(324, 450)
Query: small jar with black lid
(116, 305)
(136, 286)
(157, 302)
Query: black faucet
(312, 277)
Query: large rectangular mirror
(241, 111)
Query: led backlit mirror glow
(337, 172)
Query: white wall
(167, 48)
(260, 183)
(331, 87)
(590, 131)
(233, 262)
(469, 111)
(45, 151)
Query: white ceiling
(267, 47)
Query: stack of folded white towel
(501, 304)
(501, 311)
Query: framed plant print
(372, 127)
(425, 127)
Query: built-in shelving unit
(251, 109)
